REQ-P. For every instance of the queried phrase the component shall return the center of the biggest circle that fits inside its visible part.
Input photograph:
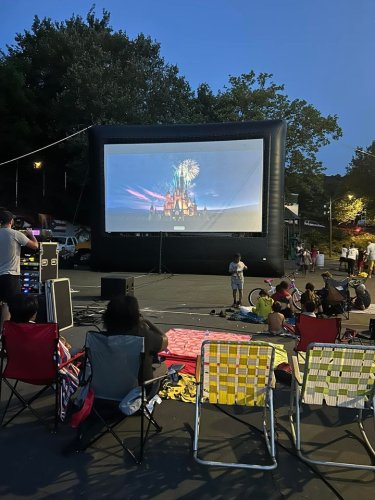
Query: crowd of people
(278, 308)
(356, 259)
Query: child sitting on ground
(275, 320)
(283, 296)
(264, 305)
(309, 295)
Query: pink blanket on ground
(185, 345)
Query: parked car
(313, 223)
(66, 245)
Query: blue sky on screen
(135, 181)
(322, 50)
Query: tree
(251, 97)
(347, 209)
(59, 78)
(360, 177)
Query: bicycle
(296, 293)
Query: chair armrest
(74, 358)
(156, 379)
(296, 371)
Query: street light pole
(330, 227)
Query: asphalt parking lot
(34, 465)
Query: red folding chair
(320, 330)
(30, 354)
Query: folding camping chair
(237, 373)
(30, 354)
(337, 300)
(337, 375)
(115, 362)
(324, 330)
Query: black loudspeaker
(116, 285)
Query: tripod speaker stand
(161, 267)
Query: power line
(45, 147)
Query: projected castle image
(180, 201)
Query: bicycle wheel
(296, 299)
(254, 296)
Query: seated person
(275, 320)
(23, 309)
(123, 317)
(309, 309)
(284, 298)
(362, 300)
(309, 295)
(264, 305)
(323, 292)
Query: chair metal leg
(197, 421)
(363, 432)
(270, 441)
(109, 428)
(26, 404)
(9, 400)
(296, 433)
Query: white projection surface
(213, 186)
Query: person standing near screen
(236, 269)
(11, 242)
(370, 257)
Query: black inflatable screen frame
(206, 253)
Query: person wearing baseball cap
(11, 242)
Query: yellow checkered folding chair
(237, 373)
(338, 375)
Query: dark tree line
(58, 78)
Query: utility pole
(330, 227)
(328, 211)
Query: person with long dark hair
(123, 317)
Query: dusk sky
(322, 50)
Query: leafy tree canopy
(347, 209)
(360, 177)
(60, 77)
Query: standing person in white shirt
(236, 269)
(343, 256)
(370, 257)
(11, 242)
(352, 259)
